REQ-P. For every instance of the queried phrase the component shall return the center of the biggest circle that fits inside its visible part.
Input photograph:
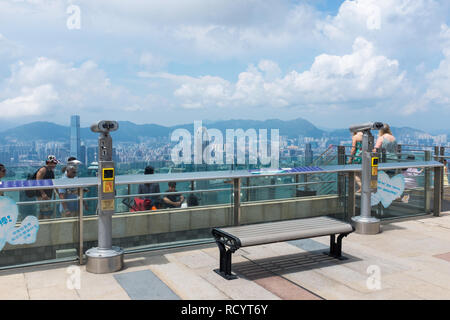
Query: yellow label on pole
(374, 171)
(108, 205)
(108, 186)
(373, 184)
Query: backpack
(31, 193)
(192, 200)
(141, 204)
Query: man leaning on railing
(173, 200)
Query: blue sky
(334, 63)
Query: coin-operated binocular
(105, 258)
(365, 223)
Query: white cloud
(359, 76)
(393, 26)
(439, 82)
(35, 88)
(151, 61)
(30, 102)
(391, 36)
(8, 49)
(209, 29)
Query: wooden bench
(231, 239)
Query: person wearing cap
(71, 161)
(46, 172)
(69, 209)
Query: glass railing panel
(35, 238)
(207, 204)
(401, 193)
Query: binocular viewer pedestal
(366, 225)
(104, 260)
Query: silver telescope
(366, 126)
(105, 126)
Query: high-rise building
(82, 157)
(308, 154)
(75, 141)
(91, 155)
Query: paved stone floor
(409, 260)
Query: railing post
(237, 201)
(247, 193)
(351, 195)
(437, 191)
(399, 151)
(383, 155)
(80, 222)
(341, 154)
(341, 176)
(427, 184)
(436, 153)
(442, 153)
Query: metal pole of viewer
(365, 223)
(105, 258)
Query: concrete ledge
(65, 231)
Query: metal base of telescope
(104, 260)
(366, 225)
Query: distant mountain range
(131, 132)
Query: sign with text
(389, 189)
(27, 231)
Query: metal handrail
(169, 193)
(286, 184)
(323, 153)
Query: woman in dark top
(44, 173)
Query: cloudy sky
(334, 63)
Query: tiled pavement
(408, 260)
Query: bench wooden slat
(286, 230)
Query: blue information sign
(26, 183)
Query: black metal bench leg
(336, 246)
(225, 262)
(332, 245)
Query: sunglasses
(2, 170)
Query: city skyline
(334, 63)
(291, 146)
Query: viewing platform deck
(409, 259)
